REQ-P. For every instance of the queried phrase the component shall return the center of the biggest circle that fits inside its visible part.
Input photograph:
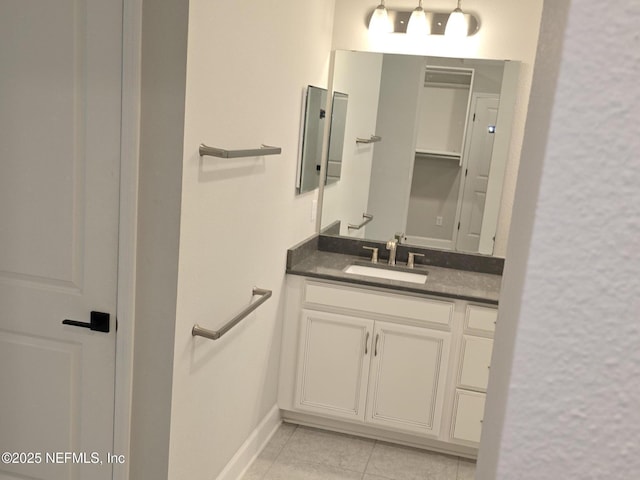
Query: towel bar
(372, 139)
(367, 218)
(198, 331)
(254, 152)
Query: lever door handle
(99, 322)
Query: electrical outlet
(439, 221)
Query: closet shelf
(435, 153)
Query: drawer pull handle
(366, 344)
(375, 350)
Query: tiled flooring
(302, 453)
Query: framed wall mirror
(435, 178)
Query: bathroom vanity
(391, 359)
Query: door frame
(127, 234)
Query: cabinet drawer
(481, 319)
(433, 311)
(475, 362)
(467, 416)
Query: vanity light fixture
(418, 23)
(380, 22)
(457, 24)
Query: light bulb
(379, 22)
(457, 24)
(418, 23)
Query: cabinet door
(408, 374)
(474, 366)
(467, 416)
(333, 364)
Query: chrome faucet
(391, 246)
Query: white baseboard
(252, 446)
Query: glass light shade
(456, 25)
(379, 22)
(418, 23)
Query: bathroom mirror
(436, 174)
(313, 127)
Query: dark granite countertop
(446, 282)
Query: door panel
(60, 92)
(44, 423)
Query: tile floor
(303, 453)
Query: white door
(60, 94)
(335, 351)
(408, 375)
(479, 151)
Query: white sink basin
(386, 273)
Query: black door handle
(99, 322)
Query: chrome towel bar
(254, 152)
(198, 331)
(367, 218)
(371, 139)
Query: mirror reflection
(435, 178)
(336, 136)
(312, 132)
(314, 123)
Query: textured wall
(572, 402)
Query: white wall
(401, 80)
(509, 30)
(563, 401)
(358, 77)
(164, 43)
(246, 65)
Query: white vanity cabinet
(387, 364)
(379, 372)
